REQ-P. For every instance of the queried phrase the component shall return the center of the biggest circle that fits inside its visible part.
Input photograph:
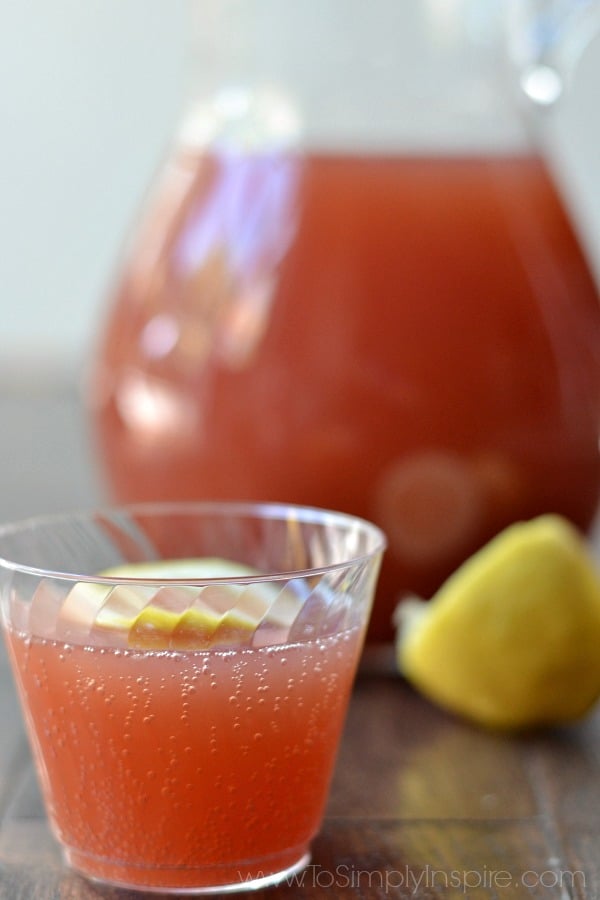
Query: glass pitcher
(355, 283)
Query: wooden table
(422, 806)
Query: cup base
(189, 881)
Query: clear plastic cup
(184, 672)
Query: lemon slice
(511, 639)
(172, 615)
(194, 569)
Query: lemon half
(512, 639)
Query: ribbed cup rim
(224, 508)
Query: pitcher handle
(547, 38)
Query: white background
(90, 93)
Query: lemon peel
(511, 640)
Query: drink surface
(414, 340)
(186, 768)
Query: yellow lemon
(194, 569)
(512, 639)
(172, 615)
